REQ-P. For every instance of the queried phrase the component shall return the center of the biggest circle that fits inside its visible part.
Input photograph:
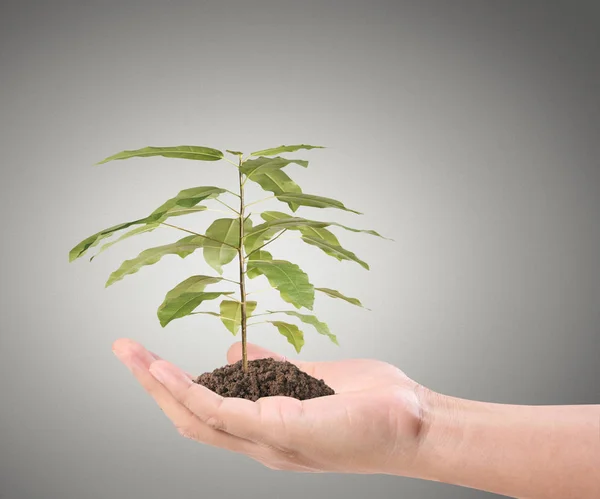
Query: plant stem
(230, 280)
(257, 323)
(269, 241)
(229, 161)
(231, 192)
(226, 205)
(260, 200)
(242, 272)
(265, 313)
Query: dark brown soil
(265, 378)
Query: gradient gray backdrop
(465, 130)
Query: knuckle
(215, 423)
(188, 396)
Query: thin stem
(199, 235)
(229, 280)
(268, 242)
(256, 323)
(214, 313)
(232, 193)
(260, 201)
(265, 313)
(229, 161)
(217, 211)
(242, 272)
(226, 205)
(181, 228)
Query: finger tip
(124, 344)
(130, 352)
(234, 353)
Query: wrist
(518, 451)
(441, 429)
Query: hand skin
(381, 421)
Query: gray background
(466, 131)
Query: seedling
(236, 239)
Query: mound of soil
(265, 378)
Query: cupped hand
(371, 425)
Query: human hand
(371, 425)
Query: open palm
(370, 425)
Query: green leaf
(174, 212)
(186, 296)
(316, 236)
(183, 248)
(260, 166)
(80, 249)
(291, 332)
(313, 201)
(184, 152)
(337, 251)
(321, 327)
(274, 216)
(314, 232)
(277, 182)
(336, 294)
(257, 255)
(173, 207)
(235, 153)
(227, 232)
(255, 239)
(287, 278)
(188, 198)
(231, 314)
(128, 234)
(280, 149)
(261, 255)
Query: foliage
(236, 238)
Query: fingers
(156, 357)
(269, 421)
(256, 352)
(139, 360)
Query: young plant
(236, 238)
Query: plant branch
(226, 205)
(268, 242)
(260, 200)
(217, 211)
(199, 235)
(232, 162)
(256, 323)
(265, 313)
(242, 261)
(230, 280)
(232, 193)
